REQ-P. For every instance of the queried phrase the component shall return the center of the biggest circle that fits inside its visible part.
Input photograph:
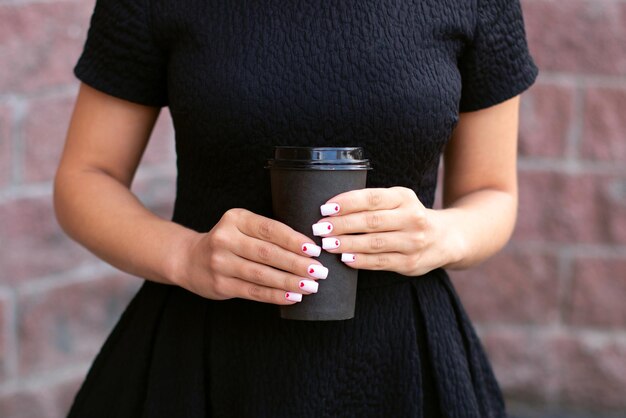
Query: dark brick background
(551, 308)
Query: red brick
(545, 120)
(593, 372)
(161, 146)
(67, 324)
(582, 36)
(32, 242)
(605, 124)
(6, 317)
(41, 42)
(524, 362)
(44, 134)
(599, 293)
(568, 208)
(512, 287)
(50, 400)
(5, 145)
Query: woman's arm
(480, 181)
(389, 229)
(93, 203)
(244, 255)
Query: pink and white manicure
(329, 209)
(330, 243)
(310, 286)
(317, 271)
(294, 297)
(311, 249)
(322, 228)
(348, 258)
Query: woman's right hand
(249, 256)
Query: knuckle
(374, 198)
(258, 275)
(377, 243)
(254, 292)
(266, 228)
(418, 218)
(417, 240)
(218, 238)
(232, 215)
(287, 285)
(414, 262)
(264, 252)
(219, 288)
(293, 264)
(373, 220)
(295, 242)
(381, 261)
(215, 259)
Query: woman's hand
(252, 257)
(386, 229)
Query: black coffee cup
(303, 179)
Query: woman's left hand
(385, 229)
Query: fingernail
(322, 228)
(294, 297)
(310, 286)
(329, 209)
(330, 243)
(317, 271)
(348, 258)
(311, 249)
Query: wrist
(177, 262)
(455, 242)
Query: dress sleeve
(496, 64)
(121, 56)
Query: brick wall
(550, 308)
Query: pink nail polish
(317, 271)
(329, 209)
(330, 243)
(294, 297)
(310, 286)
(322, 228)
(348, 258)
(311, 249)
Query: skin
(249, 256)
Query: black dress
(240, 77)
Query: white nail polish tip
(322, 228)
(329, 209)
(348, 258)
(330, 243)
(311, 249)
(317, 271)
(294, 297)
(310, 286)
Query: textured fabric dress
(241, 76)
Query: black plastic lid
(318, 158)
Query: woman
(408, 81)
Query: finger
(267, 276)
(276, 232)
(269, 254)
(361, 222)
(374, 243)
(381, 261)
(364, 200)
(240, 288)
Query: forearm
(103, 215)
(478, 225)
